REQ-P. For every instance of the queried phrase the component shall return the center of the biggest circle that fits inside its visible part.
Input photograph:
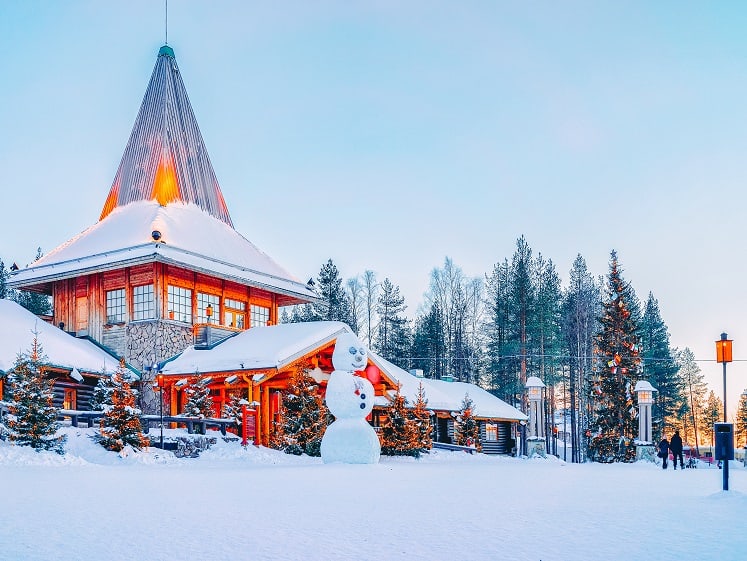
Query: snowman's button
(363, 396)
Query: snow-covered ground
(232, 503)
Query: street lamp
(723, 355)
(159, 379)
(645, 392)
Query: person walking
(675, 445)
(664, 451)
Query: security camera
(156, 235)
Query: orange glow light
(165, 185)
(723, 350)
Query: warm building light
(165, 185)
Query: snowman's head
(349, 354)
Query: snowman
(349, 439)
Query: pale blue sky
(388, 135)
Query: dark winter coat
(663, 448)
(675, 445)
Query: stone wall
(150, 342)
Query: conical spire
(165, 158)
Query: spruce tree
(120, 425)
(35, 302)
(102, 393)
(713, 412)
(740, 431)
(393, 334)
(400, 436)
(581, 303)
(335, 304)
(233, 408)
(199, 403)
(32, 418)
(466, 427)
(661, 370)
(695, 388)
(428, 344)
(4, 274)
(501, 366)
(303, 416)
(422, 419)
(613, 424)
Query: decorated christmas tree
(199, 403)
(422, 419)
(102, 393)
(233, 407)
(400, 435)
(303, 416)
(120, 425)
(613, 420)
(32, 417)
(466, 427)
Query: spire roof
(166, 159)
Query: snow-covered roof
(188, 237)
(278, 345)
(448, 396)
(17, 327)
(166, 157)
(273, 346)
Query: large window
(143, 302)
(116, 306)
(203, 301)
(235, 311)
(70, 399)
(180, 303)
(260, 315)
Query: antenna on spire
(167, 22)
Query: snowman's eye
(362, 350)
(352, 350)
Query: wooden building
(165, 281)
(163, 268)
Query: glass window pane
(180, 303)
(143, 302)
(115, 306)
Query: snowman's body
(349, 439)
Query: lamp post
(159, 378)
(723, 355)
(534, 388)
(645, 392)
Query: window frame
(116, 306)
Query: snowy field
(260, 504)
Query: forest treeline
(589, 341)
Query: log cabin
(164, 281)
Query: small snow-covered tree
(422, 419)
(102, 393)
(303, 417)
(232, 408)
(199, 403)
(32, 418)
(466, 427)
(399, 431)
(120, 425)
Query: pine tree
(695, 389)
(102, 393)
(233, 408)
(303, 417)
(32, 418)
(4, 274)
(335, 304)
(422, 419)
(466, 427)
(580, 310)
(741, 428)
(35, 302)
(393, 337)
(713, 412)
(501, 367)
(120, 425)
(199, 403)
(400, 436)
(661, 370)
(617, 348)
(428, 344)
